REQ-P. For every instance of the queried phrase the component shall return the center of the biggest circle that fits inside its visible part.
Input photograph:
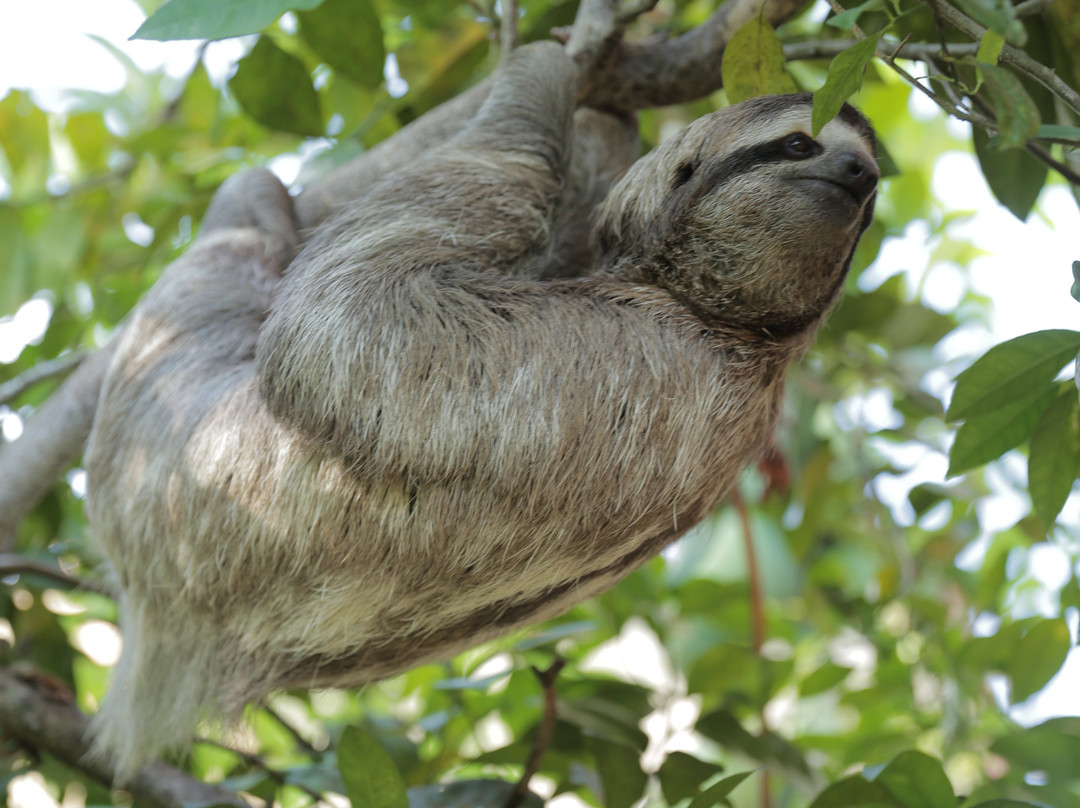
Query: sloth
(419, 434)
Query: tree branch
(43, 371)
(686, 68)
(1010, 55)
(11, 564)
(43, 721)
(51, 438)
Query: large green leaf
(987, 437)
(214, 19)
(371, 779)
(1017, 116)
(1016, 370)
(619, 767)
(681, 776)
(1054, 456)
(842, 81)
(717, 793)
(348, 35)
(1038, 656)
(917, 780)
(274, 88)
(753, 63)
(855, 792)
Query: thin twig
(828, 48)
(543, 732)
(42, 371)
(256, 762)
(13, 564)
(300, 740)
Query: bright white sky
(44, 46)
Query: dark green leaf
(717, 792)
(987, 437)
(371, 779)
(274, 88)
(1017, 116)
(1054, 456)
(681, 776)
(1038, 656)
(213, 19)
(754, 63)
(1054, 131)
(1075, 290)
(917, 780)
(620, 772)
(997, 15)
(855, 792)
(1013, 175)
(843, 80)
(1019, 369)
(825, 677)
(347, 35)
(1007, 804)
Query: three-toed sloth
(417, 434)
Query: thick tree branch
(51, 438)
(18, 565)
(49, 724)
(675, 71)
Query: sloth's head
(746, 217)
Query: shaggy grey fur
(417, 440)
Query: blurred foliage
(886, 666)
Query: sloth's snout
(854, 172)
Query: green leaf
(855, 792)
(214, 19)
(998, 16)
(273, 87)
(1039, 655)
(347, 35)
(987, 437)
(371, 779)
(1007, 804)
(1054, 456)
(754, 63)
(620, 772)
(825, 677)
(990, 47)
(843, 80)
(1059, 132)
(845, 19)
(1075, 289)
(1017, 116)
(717, 792)
(1014, 176)
(1018, 369)
(917, 780)
(681, 776)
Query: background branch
(46, 723)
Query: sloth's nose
(855, 172)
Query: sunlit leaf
(990, 47)
(371, 779)
(845, 19)
(1016, 370)
(214, 19)
(273, 87)
(754, 63)
(855, 792)
(1038, 656)
(843, 80)
(825, 677)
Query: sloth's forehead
(764, 122)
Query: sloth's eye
(798, 145)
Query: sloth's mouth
(834, 187)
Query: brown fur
(415, 442)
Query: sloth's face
(748, 217)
